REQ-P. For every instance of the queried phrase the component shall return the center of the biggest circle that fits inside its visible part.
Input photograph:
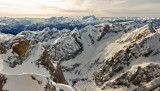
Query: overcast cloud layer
(107, 8)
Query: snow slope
(32, 82)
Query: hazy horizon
(100, 8)
(39, 16)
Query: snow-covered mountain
(29, 63)
(105, 56)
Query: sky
(99, 8)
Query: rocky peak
(103, 30)
(19, 45)
(76, 33)
(153, 27)
(46, 29)
(113, 28)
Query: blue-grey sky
(101, 8)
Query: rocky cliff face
(142, 44)
(137, 76)
(56, 72)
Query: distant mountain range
(16, 25)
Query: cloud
(144, 10)
(76, 11)
(108, 8)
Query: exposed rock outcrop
(3, 49)
(56, 73)
(3, 80)
(20, 45)
(143, 44)
(137, 76)
(114, 28)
